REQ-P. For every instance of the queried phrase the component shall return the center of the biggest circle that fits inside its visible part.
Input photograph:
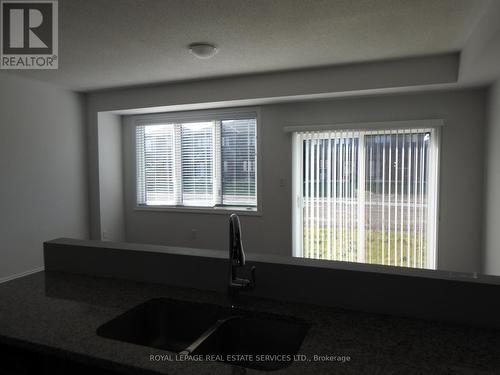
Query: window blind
(368, 196)
(197, 157)
(155, 164)
(200, 164)
(238, 150)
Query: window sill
(242, 211)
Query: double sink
(245, 338)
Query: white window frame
(200, 116)
(434, 125)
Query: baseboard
(21, 274)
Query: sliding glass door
(366, 196)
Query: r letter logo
(29, 35)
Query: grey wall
(492, 201)
(111, 177)
(43, 177)
(460, 227)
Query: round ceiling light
(203, 50)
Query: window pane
(365, 197)
(331, 197)
(203, 163)
(238, 154)
(396, 199)
(197, 163)
(155, 164)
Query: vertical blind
(368, 196)
(203, 164)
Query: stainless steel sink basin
(163, 323)
(245, 338)
(256, 342)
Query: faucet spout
(237, 260)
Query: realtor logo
(29, 34)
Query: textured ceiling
(111, 43)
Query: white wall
(43, 177)
(327, 82)
(111, 178)
(491, 264)
(461, 177)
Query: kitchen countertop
(58, 313)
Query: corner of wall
(491, 236)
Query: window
(367, 196)
(210, 162)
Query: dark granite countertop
(59, 313)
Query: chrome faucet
(237, 260)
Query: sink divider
(205, 335)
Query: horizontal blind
(200, 163)
(197, 158)
(365, 196)
(155, 164)
(238, 158)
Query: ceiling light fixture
(203, 50)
